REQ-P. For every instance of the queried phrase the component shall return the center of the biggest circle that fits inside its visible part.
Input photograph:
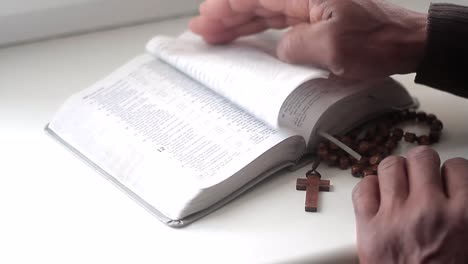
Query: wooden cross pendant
(313, 184)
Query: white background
(24, 20)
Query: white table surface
(55, 209)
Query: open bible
(187, 127)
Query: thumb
(312, 44)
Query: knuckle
(391, 162)
(316, 9)
(359, 190)
(420, 151)
(423, 152)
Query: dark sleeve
(445, 63)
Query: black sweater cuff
(445, 64)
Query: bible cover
(161, 217)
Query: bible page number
(161, 149)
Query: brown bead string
(378, 141)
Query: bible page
(302, 110)
(337, 105)
(246, 72)
(161, 134)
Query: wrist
(413, 45)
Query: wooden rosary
(371, 143)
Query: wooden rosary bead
(421, 116)
(342, 153)
(383, 151)
(398, 132)
(372, 152)
(410, 137)
(434, 137)
(364, 161)
(347, 140)
(379, 139)
(390, 145)
(375, 160)
(322, 145)
(365, 147)
(430, 118)
(333, 146)
(323, 154)
(423, 140)
(356, 171)
(345, 162)
(436, 125)
(368, 172)
(371, 132)
(382, 130)
(333, 160)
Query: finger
(221, 38)
(260, 24)
(207, 26)
(306, 44)
(253, 27)
(262, 12)
(276, 22)
(423, 166)
(317, 10)
(455, 178)
(243, 6)
(237, 20)
(366, 199)
(216, 9)
(293, 8)
(224, 8)
(227, 8)
(393, 181)
(234, 33)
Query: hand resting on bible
(413, 211)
